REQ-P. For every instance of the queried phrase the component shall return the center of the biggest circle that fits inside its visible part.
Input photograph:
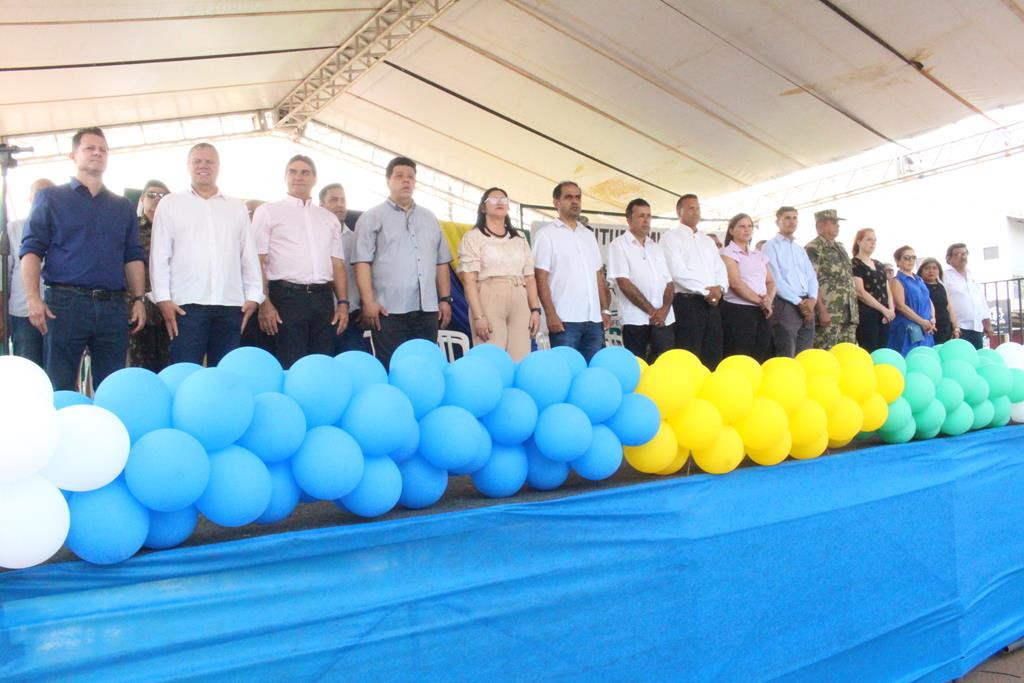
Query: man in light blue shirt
(796, 287)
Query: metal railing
(1006, 308)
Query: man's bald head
(40, 184)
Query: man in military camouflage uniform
(837, 300)
(151, 347)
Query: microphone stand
(7, 161)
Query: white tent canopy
(647, 97)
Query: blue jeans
(28, 343)
(83, 322)
(587, 338)
(210, 331)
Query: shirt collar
(295, 201)
(396, 207)
(780, 236)
(632, 238)
(216, 195)
(76, 183)
(734, 248)
(559, 223)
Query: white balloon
(24, 382)
(28, 438)
(92, 448)
(1017, 412)
(1012, 353)
(34, 522)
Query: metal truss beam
(391, 26)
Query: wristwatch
(141, 297)
(606, 312)
(343, 301)
(447, 299)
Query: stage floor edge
(888, 563)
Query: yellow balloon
(724, 455)
(876, 411)
(729, 391)
(656, 454)
(851, 353)
(811, 449)
(785, 381)
(677, 357)
(819, 362)
(889, 382)
(857, 381)
(808, 422)
(824, 391)
(697, 425)
(642, 363)
(747, 365)
(763, 425)
(774, 454)
(844, 422)
(670, 387)
(681, 457)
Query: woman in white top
(497, 271)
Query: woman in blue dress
(914, 324)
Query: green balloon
(999, 379)
(890, 357)
(930, 419)
(923, 351)
(899, 415)
(959, 349)
(986, 356)
(958, 421)
(903, 435)
(949, 393)
(927, 365)
(919, 391)
(960, 371)
(1017, 385)
(1001, 411)
(866, 436)
(983, 414)
(925, 434)
(977, 392)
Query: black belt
(688, 295)
(98, 294)
(308, 289)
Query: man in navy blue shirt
(85, 240)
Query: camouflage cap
(827, 215)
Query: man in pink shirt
(299, 245)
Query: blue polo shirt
(83, 240)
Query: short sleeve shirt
(572, 258)
(490, 256)
(753, 271)
(874, 280)
(644, 265)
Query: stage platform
(885, 563)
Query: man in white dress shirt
(203, 265)
(637, 265)
(967, 296)
(570, 276)
(299, 244)
(700, 280)
(27, 341)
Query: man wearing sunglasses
(151, 347)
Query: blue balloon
(545, 376)
(499, 358)
(213, 405)
(284, 496)
(544, 474)
(563, 432)
(481, 455)
(449, 437)
(107, 525)
(239, 490)
(139, 399)
(603, 458)
(422, 383)
(573, 358)
(504, 474)
(329, 463)
(621, 363)
(427, 351)
(168, 529)
(473, 384)
(65, 398)
(636, 421)
(409, 447)
(362, 369)
(379, 418)
(257, 367)
(514, 418)
(320, 386)
(597, 392)
(377, 492)
(174, 375)
(167, 470)
(277, 429)
(422, 483)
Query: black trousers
(973, 336)
(647, 341)
(872, 330)
(397, 328)
(698, 328)
(306, 326)
(745, 331)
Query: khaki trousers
(508, 312)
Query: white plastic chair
(448, 340)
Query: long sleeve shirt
(794, 275)
(693, 261)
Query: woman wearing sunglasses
(914, 324)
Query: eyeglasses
(497, 201)
(152, 194)
(908, 257)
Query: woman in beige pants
(497, 270)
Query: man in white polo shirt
(967, 296)
(570, 277)
(637, 265)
